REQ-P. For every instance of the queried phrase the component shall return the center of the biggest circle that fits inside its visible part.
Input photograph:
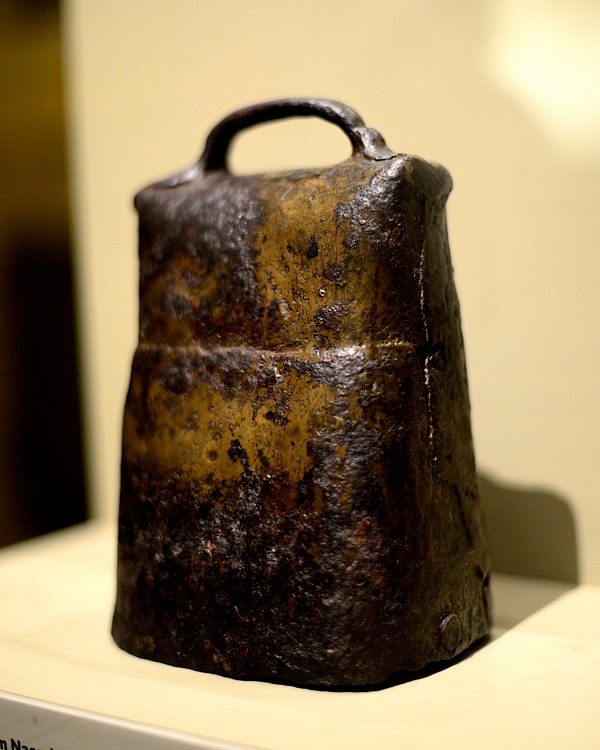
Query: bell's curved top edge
(430, 178)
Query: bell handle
(365, 141)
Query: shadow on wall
(530, 532)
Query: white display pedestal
(66, 685)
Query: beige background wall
(505, 93)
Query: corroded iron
(299, 499)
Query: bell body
(298, 498)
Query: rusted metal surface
(299, 498)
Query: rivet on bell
(451, 632)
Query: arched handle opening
(365, 141)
